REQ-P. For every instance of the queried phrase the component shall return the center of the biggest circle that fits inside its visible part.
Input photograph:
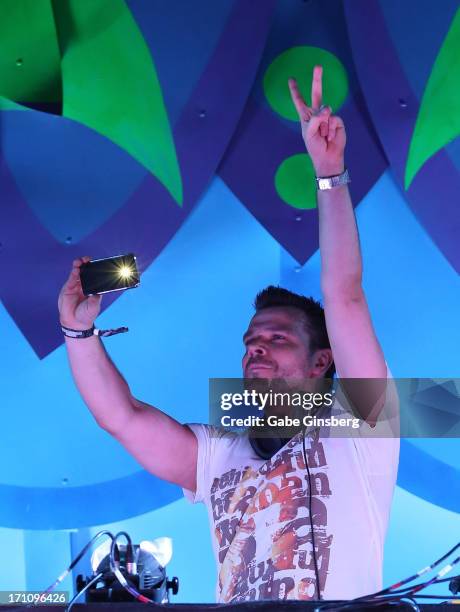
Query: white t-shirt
(259, 512)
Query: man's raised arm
(355, 348)
(162, 445)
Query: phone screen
(110, 274)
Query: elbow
(107, 425)
(115, 425)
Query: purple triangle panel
(260, 145)
(264, 140)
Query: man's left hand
(323, 133)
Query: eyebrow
(269, 328)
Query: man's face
(277, 345)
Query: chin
(260, 375)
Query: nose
(256, 347)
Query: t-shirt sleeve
(386, 423)
(377, 451)
(202, 461)
(383, 419)
(378, 445)
(206, 436)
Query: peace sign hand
(323, 133)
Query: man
(310, 521)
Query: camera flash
(125, 272)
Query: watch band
(86, 333)
(77, 333)
(329, 182)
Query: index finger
(74, 276)
(317, 88)
(77, 263)
(297, 99)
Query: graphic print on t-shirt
(262, 525)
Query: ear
(321, 361)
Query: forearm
(101, 386)
(162, 445)
(355, 348)
(341, 264)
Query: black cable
(77, 559)
(114, 567)
(410, 588)
(130, 565)
(66, 572)
(369, 603)
(422, 571)
(310, 497)
(409, 593)
(445, 597)
(423, 585)
(84, 589)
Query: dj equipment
(138, 566)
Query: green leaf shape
(110, 84)
(30, 62)
(438, 120)
(295, 182)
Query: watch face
(324, 183)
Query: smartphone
(110, 274)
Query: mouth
(258, 368)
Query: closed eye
(273, 337)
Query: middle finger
(317, 88)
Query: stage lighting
(143, 568)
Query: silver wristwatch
(328, 182)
